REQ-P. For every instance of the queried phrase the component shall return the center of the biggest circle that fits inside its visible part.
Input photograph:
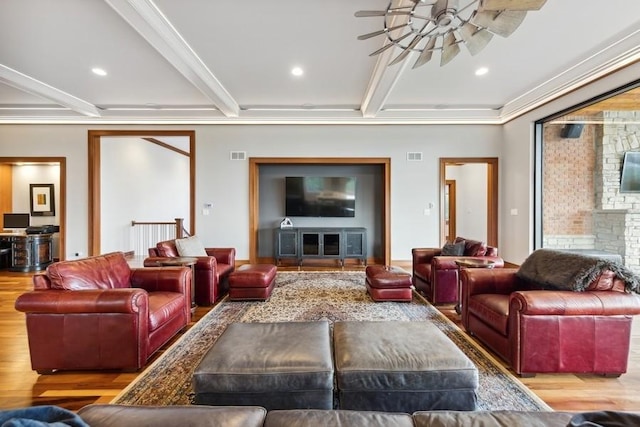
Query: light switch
(427, 212)
(205, 211)
(514, 211)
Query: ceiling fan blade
(407, 50)
(379, 32)
(427, 53)
(501, 23)
(382, 49)
(450, 49)
(474, 38)
(511, 4)
(368, 13)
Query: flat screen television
(15, 221)
(320, 196)
(630, 175)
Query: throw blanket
(568, 271)
(40, 416)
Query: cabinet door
(311, 244)
(287, 244)
(331, 244)
(355, 244)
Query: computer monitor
(16, 221)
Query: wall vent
(238, 155)
(415, 156)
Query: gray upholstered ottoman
(401, 367)
(274, 365)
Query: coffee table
(469, 263)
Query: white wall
(471, 199)
(23, 176)
(145, 182)
(225, 183)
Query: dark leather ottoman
(252, 282)
(400, 366)
(388, 283)
(284, 365)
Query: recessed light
(99, 71)
(297, 71)
(482, 71)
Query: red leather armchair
(211, 272)
(537, 331)
(436, 276)
(98, 313)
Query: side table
(183, 262)
(469, 263)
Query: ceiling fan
(426, 26)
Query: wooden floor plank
(73, 390)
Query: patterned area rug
(303, 296)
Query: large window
(579, 156)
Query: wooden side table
(183, 262)
(469, 263)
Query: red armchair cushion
(472, 247)
(109, 271)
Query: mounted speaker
(571, 130)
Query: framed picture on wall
(42, 200)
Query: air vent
(414, 156)
(238, 155)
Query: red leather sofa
(537, 330)
(98, 313)
(436, 276)
(211, 272)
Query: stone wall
(608, 220)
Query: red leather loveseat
(538, 326)
(98, 313)
(436, 276)
(211, 271)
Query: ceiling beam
(384, 77)
(145, 17)
(28, 84)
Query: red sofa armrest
(570, 303)
(122, 300)
(477, 281)
(223, 255)
(162, 279)
(424, 255)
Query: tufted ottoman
(284, 365)
(252, 282)
(401, 367)
(386, 283)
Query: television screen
(630, 179)
(320, 196)
(16, 220)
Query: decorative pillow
(190, 246)
(453, 249)
(473, 247)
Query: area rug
(305, 296)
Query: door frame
(94, 145)
(492, 193)
(254, 193)
(62, 215)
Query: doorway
(61, 209)
(450, 210)
(491, 196)
(94, 149)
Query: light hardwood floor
(23, 387)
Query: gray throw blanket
(568, 271)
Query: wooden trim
(94, 141)
(492, 193)
(254, 197)
(452, 209)
(62, 210)
(167, 146)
